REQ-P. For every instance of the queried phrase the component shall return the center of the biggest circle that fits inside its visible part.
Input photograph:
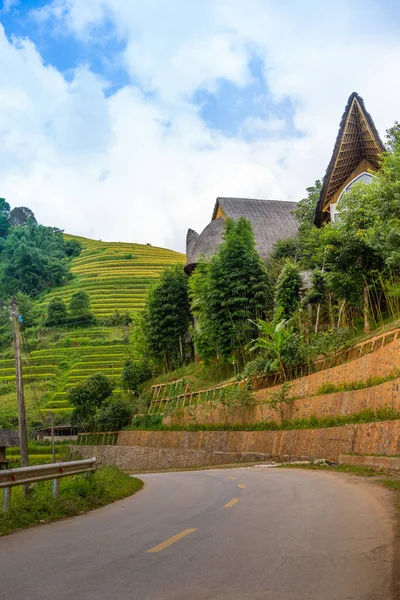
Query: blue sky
(225, 108)
(146, 112)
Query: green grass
(77, 494)
(198, 376)
(330, 388)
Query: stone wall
(147, 450)
(340, 403)
(380, 363)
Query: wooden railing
(187, 398)
(104, 438)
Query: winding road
(275, 534)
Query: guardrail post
(6, 503)
(55, 488)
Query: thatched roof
(357, 139)
(9, 438)
(206, 244)
(271, 220)
(191, 239)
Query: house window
(363, 178)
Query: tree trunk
(340, 313)
(181, 349)
(317, 317)
(367, 327)
(308, 326)
(330, 310)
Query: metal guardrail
(9, 478)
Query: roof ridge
(253, 199)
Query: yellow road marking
(172, 540)
(229, 477)
(231, 503)
(241, 485)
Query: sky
(124, 120)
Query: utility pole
(23, 436)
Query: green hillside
(116, 277)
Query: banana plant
(273, 339)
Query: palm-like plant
(273, 339)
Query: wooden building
(8, 439)
(271, 220)
(355, 157)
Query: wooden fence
(107, 438)
(162, 393)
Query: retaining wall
(380, 363)
(146, 450)
(340, 403)
(377, 364)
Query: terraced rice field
(56, 370)
(116, 275)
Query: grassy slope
(117, 277)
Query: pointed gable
(358, 146)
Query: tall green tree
(134, 373)
(310, 250)
(287, 290)
(167, 317)
(33, 258)
(21, 216)
(228, 292)
(4, 217)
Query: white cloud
(8, 5)
(140, 167)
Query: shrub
(56, 312)
(79, 305)
(134, 374)
(280, 399)
(117, 319)
(113, 416)
(257, 366)
(88, 396)
(73, 248)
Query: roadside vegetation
(78, 494)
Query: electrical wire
(33, 388)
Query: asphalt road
(245, 534)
